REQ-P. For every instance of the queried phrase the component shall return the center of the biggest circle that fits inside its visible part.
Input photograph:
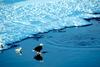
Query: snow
(19, 20)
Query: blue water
(69, 47)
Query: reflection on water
(38, 57)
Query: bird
(1, 46)
(19, 50)
(38, 48)
(39, 53)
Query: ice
(21, 19)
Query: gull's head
(18, 49)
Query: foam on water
(19, 20)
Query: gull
(1, 46)
(19, 50)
